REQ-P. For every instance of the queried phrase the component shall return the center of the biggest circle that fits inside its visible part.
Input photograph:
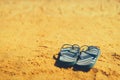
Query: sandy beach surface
(32, 31)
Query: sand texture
(32, 31)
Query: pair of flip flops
(73, 55)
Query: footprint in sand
(105, 73)
(8, 72)
(116, 56)
(95, 70)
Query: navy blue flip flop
(88, 57)
(68, 55)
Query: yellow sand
(32, 31)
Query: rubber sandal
(88, 57)
(68, 55)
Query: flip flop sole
(87, 63)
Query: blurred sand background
(32, 31)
